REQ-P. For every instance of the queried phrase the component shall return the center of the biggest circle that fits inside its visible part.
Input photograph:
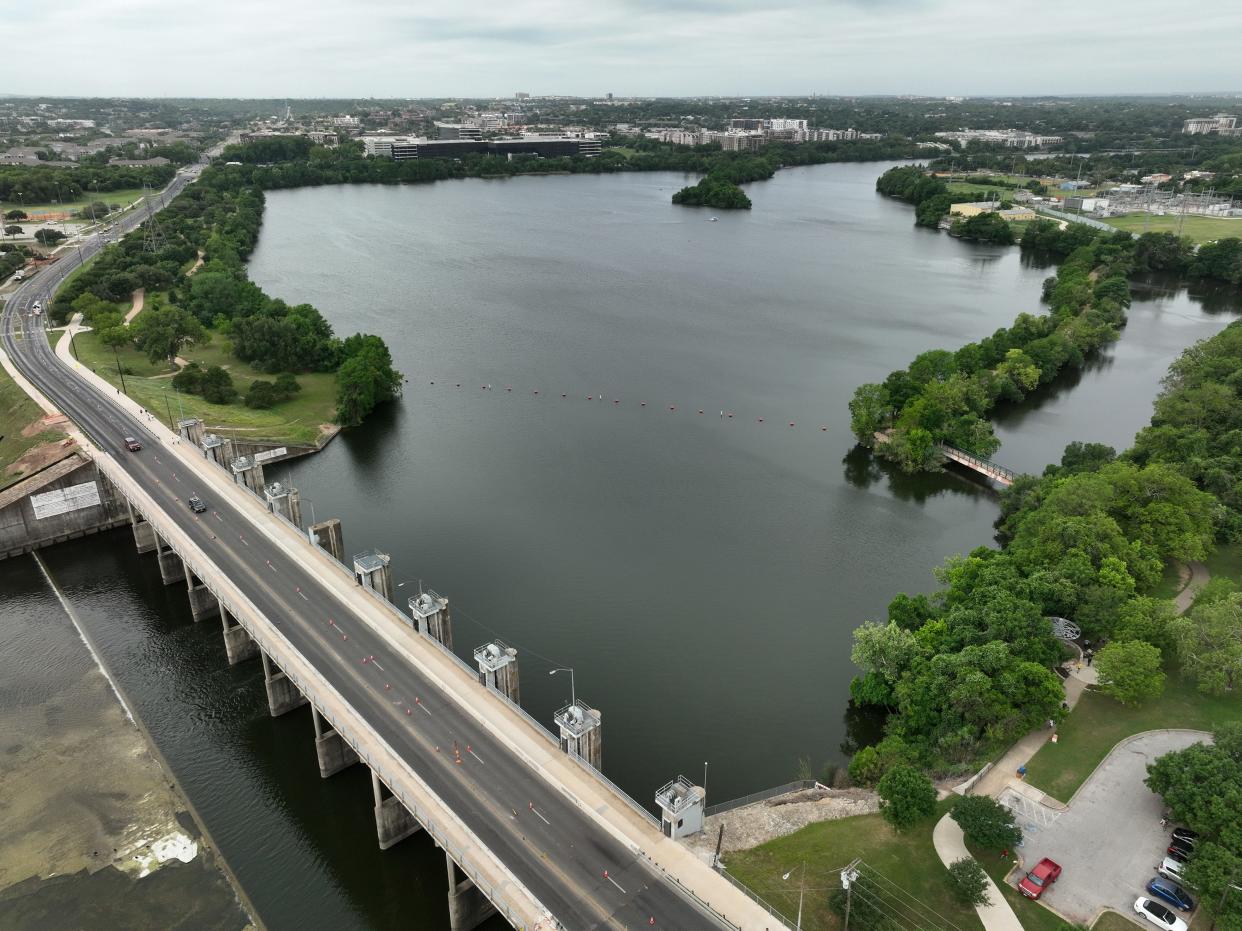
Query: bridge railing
(983, 465)
(760, 796)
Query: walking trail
(950, 845)
(139, 297)
(1199, 577)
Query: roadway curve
(556, 850)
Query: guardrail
(986, 466)
(760, 796)
(770, 909)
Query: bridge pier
(202, 602)
(282, 695)
(172, 569)
(393, 821)
(328, 536)
(468, 907)
(333, 752)
(237, 643)
(144, 533)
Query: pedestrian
(1090, 656)
(1051, 724)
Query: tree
(16, 215)
(161, 330)
(1202, 785)
(366, 378)
(216, 386)
(48, 236)
(968, 882)
(870, 411)
(906, 796)
(1208, 640)
(1130, 671)
(986, 822)
(12, 231)
(1215, 871)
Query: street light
(573, 694)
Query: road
(555, 849)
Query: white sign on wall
(270, 454)
(64, 500)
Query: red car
(1039, 879)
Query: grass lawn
(1226, 562)
(623, 150)
(1200, 229)
(17, 411)
(1098, 723)
(1111, 921)
(295, 421)
(907, 859)
(121, 198)
(1170, 583)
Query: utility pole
(119, 370)
(848, 876)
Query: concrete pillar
(202, 602)
(144, 533)
(237, 643)
(431, 616)
(327, 534)
(172, 569)
(218, 449)
(249, 473)
(333, 752)
(468, 907)
(393, 821)
(282, 695)
(498, 669)
(371, 570)
(581, 734)
(283, 499)
(191, 431)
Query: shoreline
(131, 798)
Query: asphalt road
(554, 849)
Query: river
(700, 573)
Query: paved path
(950, 845)
(139, 297)
(1199, 577)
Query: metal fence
(760, 796)
(1075, 218)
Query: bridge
(984, 467)
(530, 827)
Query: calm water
(701, 575)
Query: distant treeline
(43, 184)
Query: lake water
(701, 574)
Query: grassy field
(1098, 723)
(17, 411)
(907, 859)
(1170, 582)
(295, 421)
(1200, 229)
(1226, 562)
(1111, 921)
(123, 198)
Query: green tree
(870, 411)
(1202, 785)
(968, 882)
(986, 822)
(12, 230)
(48, 236)
(1130, 671)
(161, 331)
(16, 215)
(365, 379)
(1208, 641)
(906, 796)
(216, 386)
(263, 394)
(1214, 871)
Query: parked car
(1170, 892)
(1180, 854)
(197, 504)
(1170, 868)
(1187, 835)
(1039, 879)
(132, 444)
(1181, 848)
(1158, 915)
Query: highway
(559, 852)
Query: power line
(905, 892)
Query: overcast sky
(418, 48)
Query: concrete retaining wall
(52, 506)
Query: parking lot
(1110, 840)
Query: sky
(483, 48)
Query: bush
(969, 883)
(986, 822)
(906, 796)
(1130, 671)
(217, 386)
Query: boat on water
(713, 219)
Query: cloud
(307, 48)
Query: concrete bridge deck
(546, 841)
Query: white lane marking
(545, 820)
(216, 515)
(377, 665)
(303, 597)
(614, 882)
(269, 565)
(243, 539)
(421, 705)
(480, 759)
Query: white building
(1222, 123)
(1011, 138)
